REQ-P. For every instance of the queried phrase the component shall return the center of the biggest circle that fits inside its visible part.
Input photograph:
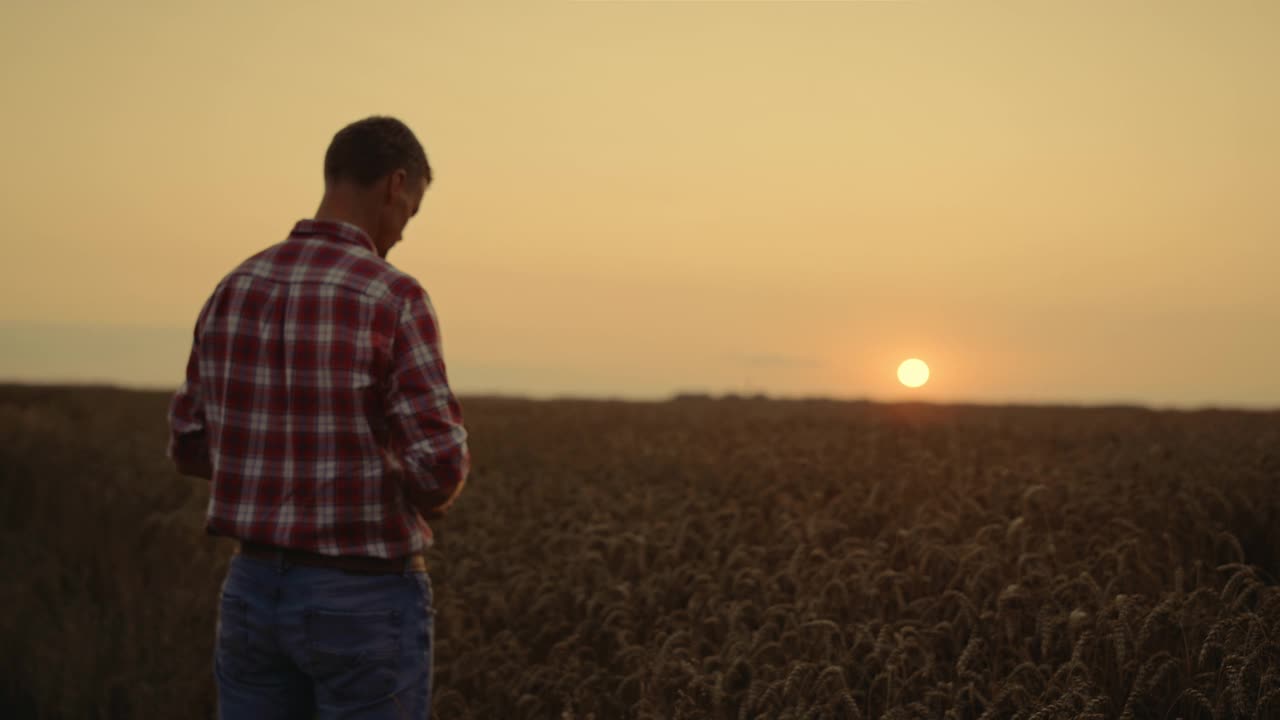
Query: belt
(347, 563)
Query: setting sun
(913, 373)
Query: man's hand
(190, 454)
(199, 469)
(433, 505)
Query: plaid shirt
(316, 397)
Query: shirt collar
(335, 229)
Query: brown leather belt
(345, 563)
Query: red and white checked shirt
(317, 388)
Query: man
(317, 405)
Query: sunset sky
(1047, 202)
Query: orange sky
(1067, 201)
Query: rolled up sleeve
(425, 418)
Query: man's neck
(340, 207)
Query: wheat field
(707, 558)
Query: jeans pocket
(233, 650)
(355, 656)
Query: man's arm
(188, 445)
(424, 416)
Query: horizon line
(687, 395)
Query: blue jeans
(304, 642)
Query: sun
(913, 373)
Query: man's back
(317, 367)
(317, 405)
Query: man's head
(375, 172)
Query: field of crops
(731, 558)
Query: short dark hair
(372, 148)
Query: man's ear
(395, 185)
